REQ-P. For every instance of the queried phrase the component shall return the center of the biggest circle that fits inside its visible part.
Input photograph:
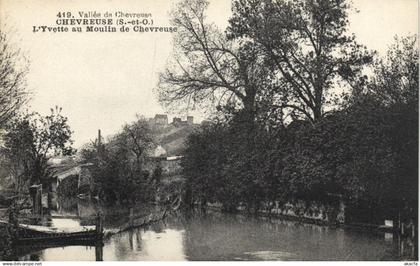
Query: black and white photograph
(209, 130)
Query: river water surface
(217, 236)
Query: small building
(81, 171)
(178, 122)
(161, 119)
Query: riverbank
(277, 215)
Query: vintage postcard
(209, 130)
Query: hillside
(172, 138)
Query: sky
(101, 80)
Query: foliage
(138, 138)
(118, 165)
(396, 76)
(306, 45)
(359, 154)
(231, 164)
(68, 187)
(7, 233)
(13, 69)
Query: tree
(203, 166)
(18, 153)
(225, 162)
(13, 69)
(306, 45)
(32, 139)
(118, 171)
(394, 88)
(138, 138)
(207, 66)
(396, 77)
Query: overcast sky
(103, 80)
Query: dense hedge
(68, 187)
(365, 155)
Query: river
(217, 236)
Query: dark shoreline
(371, 227)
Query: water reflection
(146, 245)
(223, 237)
(65, 223)
(217, 236)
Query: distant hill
(172, 138)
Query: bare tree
(208, 67)
(13, 70)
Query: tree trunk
(317, 112)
